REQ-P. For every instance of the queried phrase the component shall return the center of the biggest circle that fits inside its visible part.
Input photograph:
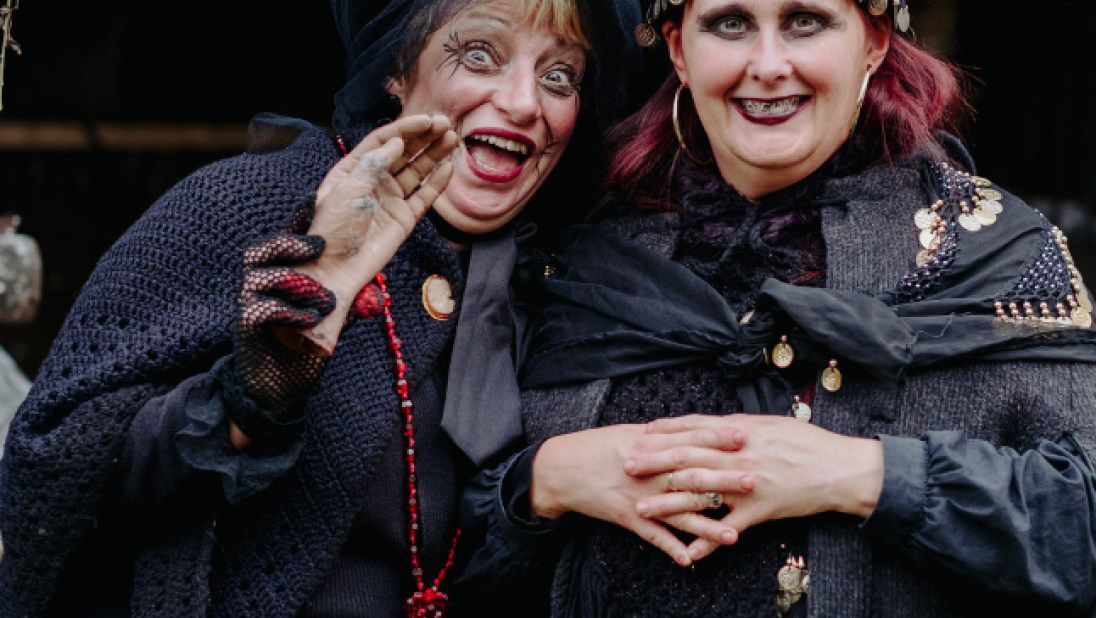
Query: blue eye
(731, 25)
(478, 56)
(558, 77)
(806, 23)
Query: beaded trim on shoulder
(1051, 294)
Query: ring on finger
(670, 483)
(715, 499)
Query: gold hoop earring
(860, 102)
(677, 128)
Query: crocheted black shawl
(158, 308)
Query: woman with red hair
(804, 351)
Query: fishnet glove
(272, 376)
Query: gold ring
(670, 483)
(715, 499)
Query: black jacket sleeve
(177, 451)
(1019, 524)
(516, 554)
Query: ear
(398, 87)
(671, 33)
(878, 44)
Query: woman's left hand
(797, 470)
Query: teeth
(771, 108)
(503, 143)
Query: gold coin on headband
(903, 19)
(646, 35)
(877, 7)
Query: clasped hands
(764, 467)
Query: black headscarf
(375, 31)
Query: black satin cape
(617, 309)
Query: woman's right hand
(584, 472)
(368, 204)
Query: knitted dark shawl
(158, 308)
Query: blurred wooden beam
(62, 136)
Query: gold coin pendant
(783, 355)
(927, 237)
(1081, 318)
(802, 412)
(831, 379)
(925, 219)
(985, 217)
(969, 223)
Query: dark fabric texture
(991, 483)
(159, 308)
(514, 557)
(623, 309)
(482, 406)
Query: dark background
(1033, 71)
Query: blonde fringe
(561, 15)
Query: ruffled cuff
(205, 445)
(901, 506)
(266, 431)
(512, 500)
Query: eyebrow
(787, 8)
(480, 14)
(484, 15)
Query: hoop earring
(677, 128)
(860, 102)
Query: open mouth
(770, 111)
(496, 155)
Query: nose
(518, 97)
(769, 63)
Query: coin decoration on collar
(831, 377)
(783, 354)
(801, 411)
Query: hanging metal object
(20, 273)
(6, 41)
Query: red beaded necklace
(424, 602)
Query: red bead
(430, 603)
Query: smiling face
(511, 90)
(775, 82)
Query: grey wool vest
(871, 243)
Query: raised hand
(367, 205)
(782, 467)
